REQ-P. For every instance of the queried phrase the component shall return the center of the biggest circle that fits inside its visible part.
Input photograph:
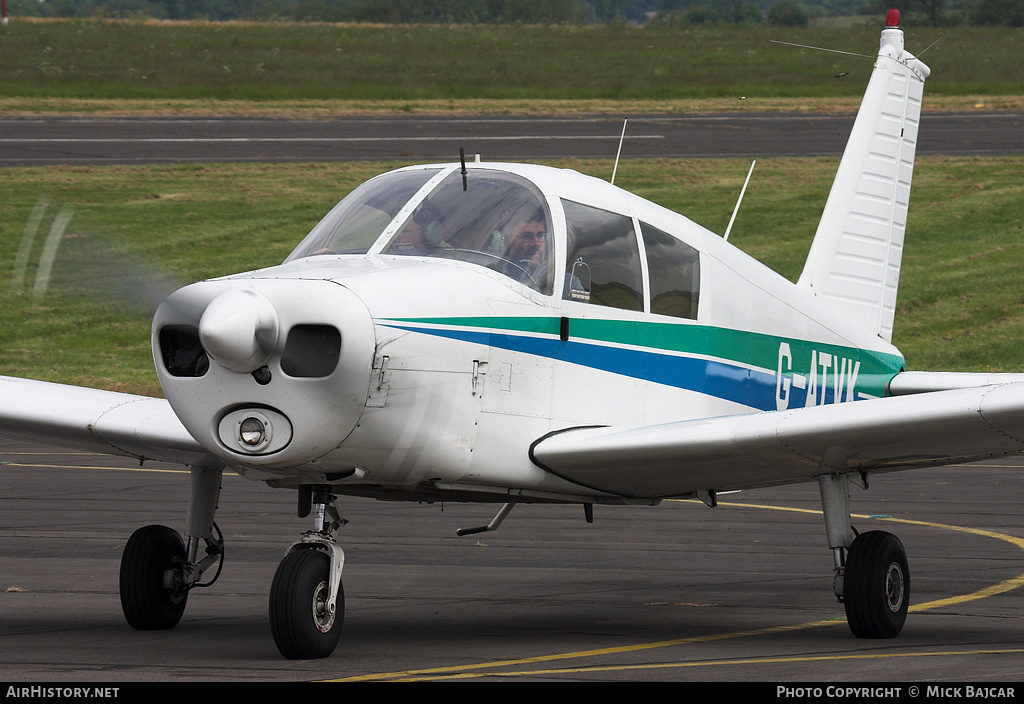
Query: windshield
(498, 220)
(354, 224)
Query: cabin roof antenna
(619, 152)
(739, 200)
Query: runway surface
(59, 140)
(677, 592)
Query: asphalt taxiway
(100, 140)
(675, 592)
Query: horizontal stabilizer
(906, 383)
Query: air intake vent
(182, 353)
(311, 351)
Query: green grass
(276, 62)
(961, 302)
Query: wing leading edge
(100, 421)
(783, 447)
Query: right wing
(785, 447)
(100, 421)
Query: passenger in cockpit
(423, 230)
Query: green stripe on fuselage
(787, 357)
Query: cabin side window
(603, 259)
(674, 270)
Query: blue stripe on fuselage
(730, 382)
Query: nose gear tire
(302, 627)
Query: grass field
(100, 61)
(960, 303)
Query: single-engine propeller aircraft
(512, 333)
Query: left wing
(783, 447)
(100, 421)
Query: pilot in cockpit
(526, 246)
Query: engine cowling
(265, 373)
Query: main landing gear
(307, 601)
(158, 569)
(872, 579)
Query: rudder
(854, 261)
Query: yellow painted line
(999, 588)
(716, 663)
(61, 454)
(86, 466)
(155, 470)
(588, 653)
(472, 671)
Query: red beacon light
(892, 18)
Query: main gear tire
(147, 603)
(876, 585)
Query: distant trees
(996, 12)
(926, 11)
(795, 13)
(1007, 13)
(464, 11)
(704, 12)
(788, 14)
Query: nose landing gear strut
(307, 601)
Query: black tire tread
(867, 561)
(291, 621)
(147, 606)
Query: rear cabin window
(603, 259)
(674, 270)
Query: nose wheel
(306, 623)
(307, 602)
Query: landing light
(252, 431)
(255, 431)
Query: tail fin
(854, 261)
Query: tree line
(550, 12)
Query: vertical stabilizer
(854, 262)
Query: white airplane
(511, 333)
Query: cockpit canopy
(500, 220)
(496, 219)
